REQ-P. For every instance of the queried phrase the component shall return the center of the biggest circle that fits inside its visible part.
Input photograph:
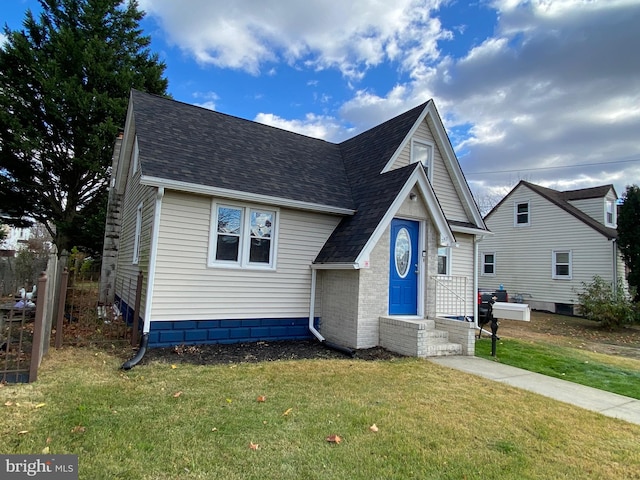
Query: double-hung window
(488, 263)
(610, 214)
(521, 214)
(444, 260)
(243, 237)
(138, 233)
(422, 152)
(561, 260)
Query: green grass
(587, 368)
(434, 422)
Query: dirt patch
(258, 352)
(574, 331)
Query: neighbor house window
(610, 213)
(422, 152)
(136, 240)
(488, 263)
(561, 264)
(444, 261)
(521, 214)
(243, 236)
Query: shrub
(598, 301)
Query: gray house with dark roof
(245, 232)
(546, 243)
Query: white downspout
(151, 274)
(312, 306)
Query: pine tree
(629, 235)
(64, 87)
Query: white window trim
(554, 264)
(613, 213)
(429, 163)
(136, 241)
(449, 254)
(483, 263)
(515, 214)
(245, 238)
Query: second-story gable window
(138, 233)
(422, 152)
(522, 214)
(610, 213)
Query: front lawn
(163, 421)
(621, 376)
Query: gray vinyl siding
(127, 271)
(186, 288)
(441, 181)
(594, 207)
(462, 264)
(524, 254)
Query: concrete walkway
(610, 404)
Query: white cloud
(350, 36)
(558, 84)
(317, 126)
(206, 99)
(555, 84)
(3, 39)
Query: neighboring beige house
(546, 243)
(246, 232)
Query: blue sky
(542, 90)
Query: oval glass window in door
(402, 252)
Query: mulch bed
(258, 352)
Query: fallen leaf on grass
(40, 405)
(334, 439)
(45, 451)
(48, 440)
(78, 429)
(22, 432)
(174, 366)
(8, 403)
(374, 428)
(177, 394)
(253, 446)
(261, 398)
(287, 412)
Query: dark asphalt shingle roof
(191, 144)
(365, 156)
(185, 143)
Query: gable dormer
(597, 202)
(428, 144)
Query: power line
(517, 170)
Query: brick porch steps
(416, 338)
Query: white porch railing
(452, 296)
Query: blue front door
(403, 275)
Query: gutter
(312, 329)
